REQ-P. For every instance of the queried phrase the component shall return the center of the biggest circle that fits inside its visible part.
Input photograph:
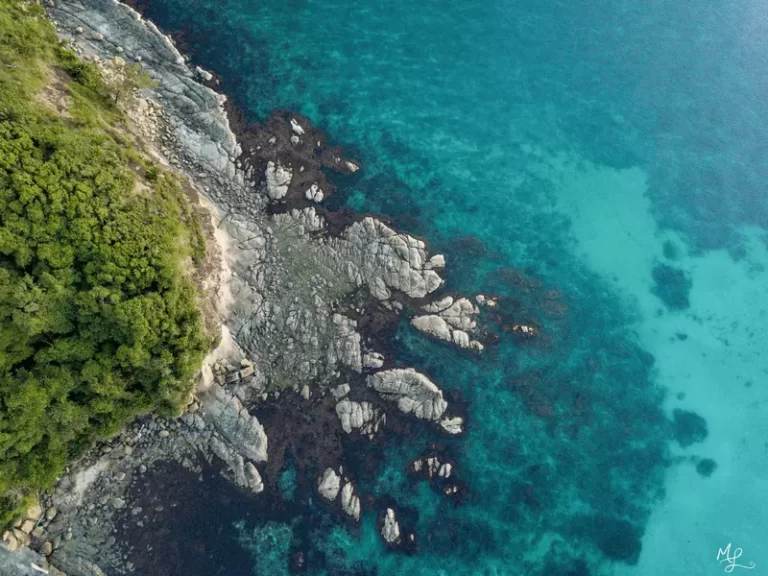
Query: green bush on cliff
(98, 322)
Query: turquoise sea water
(614, 154)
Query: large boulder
(278, 180)
(329, 484)
(350, 502)
(413, 392)
(390, 529)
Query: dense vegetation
(98, 322)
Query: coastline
(361, 278)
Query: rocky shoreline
(307, 299)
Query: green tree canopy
(98, 323)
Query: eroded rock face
(413, 392)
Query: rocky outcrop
(329, 484)
(234, 423)
(350, 502)
(386, 260)
(414, 393)
(390, 529)
(344, 347)
(75, 565)
(453, 425)
(278, 180)
(361, 416)
(450, 320)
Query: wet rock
(74, 565)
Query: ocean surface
(602, 166)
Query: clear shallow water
(613, 153)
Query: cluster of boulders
(292, 285)
(31, 529)
(439, 472)
(331, 483)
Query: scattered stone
(98, 36)
(27, 526)
(50, 514)
(163, 433)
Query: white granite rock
(350, 502)
(413, 392)
(329, 484)
(278, 180)
(360, 416)
(390, 530)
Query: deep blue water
(614, 152)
